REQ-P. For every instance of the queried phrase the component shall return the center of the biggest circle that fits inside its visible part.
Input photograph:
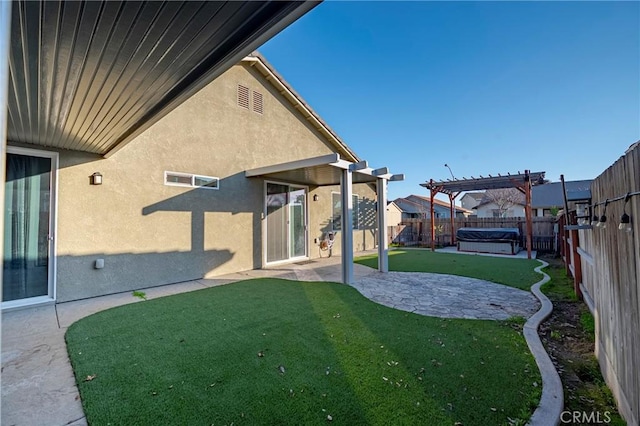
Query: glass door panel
(277, 231)
(297, 222)
(26, 227)
(286, 222)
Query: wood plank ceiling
(91, 75)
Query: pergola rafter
(521, 181)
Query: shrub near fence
(417, 232)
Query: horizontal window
(191, 180)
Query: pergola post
(433, 217)
(527, 211)
(452, 198)
(383, 250)
(346, 192)
(5, 42)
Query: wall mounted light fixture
(315, 197)
(95, 179)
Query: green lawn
(517, 273)
(560, 286)
(193, 358)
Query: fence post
(577, 264)
(566, 253)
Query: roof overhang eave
(232, 59)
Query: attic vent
(243, 96)
(257, 102)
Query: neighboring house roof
(393, 206)
(408, 206)
(475, 195)
(420, 204)
(486, 199)
(550, 194)
(280, 84)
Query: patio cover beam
(323, 160)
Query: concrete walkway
(38, 386)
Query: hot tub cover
(488, 234)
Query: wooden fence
(417, 232)
(606, 265)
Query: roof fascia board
(333, 160)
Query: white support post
(5, 45)
(346, 191)
(383, 247)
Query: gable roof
(408, 206)
(393, 205)
(550, 194)
(259, 62)
(486, 198)
(475, 195)
(420, 204)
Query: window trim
(193, 178)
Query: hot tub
(489, 240)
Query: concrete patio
(38, 386)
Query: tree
(504, 199)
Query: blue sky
(487, 87)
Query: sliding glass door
(286, 222)
(297, 222)
(28, 262)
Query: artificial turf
(517, 273)
(271, 351)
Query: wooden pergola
(521, 181)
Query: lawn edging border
(552, 399)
